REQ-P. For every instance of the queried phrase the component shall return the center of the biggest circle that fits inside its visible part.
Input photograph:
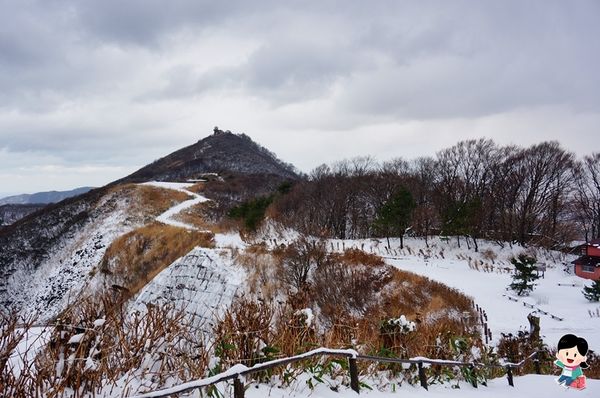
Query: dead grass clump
(94, 347)
(17, 378)
(341, 288)
(147, 202)
(489, 255)
(357, 256)
(197, 216)
(298, 260)
(261, 268)
(137, 257)
(243, 333)
(198, 187)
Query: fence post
(238, 388)
(536, 363)
(509, 376)
(473, 376)
(422, 376)
(353, 375)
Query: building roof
(595, 242)
(587, 260)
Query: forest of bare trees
(474, 190)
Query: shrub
(251, 212)
(524, 276)
(592, 293)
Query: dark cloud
(123, 82)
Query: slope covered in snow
(203, 283)
(485, 276)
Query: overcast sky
(92, 90)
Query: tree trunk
(388, 241)
(458, 240)
(475, 243)
(402, 241)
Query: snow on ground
(203, 282)
(61, 277)
(456, 268)
(167, 216)
(33, 340)
(529, 386)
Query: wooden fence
(238, 371)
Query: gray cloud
(117, 84)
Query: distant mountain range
(43, 197)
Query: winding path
(168, 216)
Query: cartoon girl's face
(570, 356)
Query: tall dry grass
(353, 296)
(98, 348)
(134, 259)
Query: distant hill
(222, 152)
(43, 197)
(13, 212)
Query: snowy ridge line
(241, 370)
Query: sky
(93, 90)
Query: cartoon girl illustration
(571, 357)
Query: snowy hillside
(486, 275)
(203, 283)
(59, 279)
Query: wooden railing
(236, 372)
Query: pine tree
(525, 276)
(592, 293)
(393, 218)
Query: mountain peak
(221, 152)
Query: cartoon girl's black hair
(570, 341)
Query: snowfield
(465, 270)
(529, 386)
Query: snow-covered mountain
(46, 260)
(222, 153)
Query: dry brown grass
(198, 187)
(147, 202)
(137, 257)
(352, 295)
(261, 268)
(156, 344)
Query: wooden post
(353, 375)
(422, 376)
(473, 376)
(238, 388)
(536, 363)
(509, 376)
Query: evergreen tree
(592, 293)
(393, 218)
(525, 274)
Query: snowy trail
(168, 216)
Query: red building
(588, 265)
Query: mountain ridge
(220, 152)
